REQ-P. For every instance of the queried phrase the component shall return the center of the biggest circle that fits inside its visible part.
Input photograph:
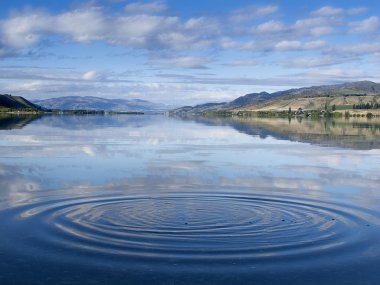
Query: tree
(333, 107)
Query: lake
(158, 200)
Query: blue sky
(184, 52)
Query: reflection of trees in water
(356, 134)
(366, 125)
(15, 121)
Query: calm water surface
(158, 200)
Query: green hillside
(16, 103)
(357, 98)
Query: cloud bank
(259, 45)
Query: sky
(184, 52)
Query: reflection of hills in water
(94, 122)
(14, 121)
(77, 122)
(354, 133)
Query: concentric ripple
(191, 227)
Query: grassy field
(316, 103)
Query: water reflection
(9, 122)
(356, 133)
(156, 200)
(93, 122)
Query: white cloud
(91, 24)
(338, 74)
(309, 62)
(313, 22)
(275, 43)
(357, 11)
(145, 8)
(173, 92)
(368, 25)
(328, 11)
(321, 31)
(182, 89)
(141, 30)
(266, 10)
(314, 45)
(204, 23)
(228, 43)
(288, 45)
(315, 26)
(271, 26)
(243, 62)
(169, 41)
(251, 12)
(27, 29)
(61, 75)
(89, 75)
(182, 62)
(88, 150)
(84, 25)
(23, 30)
(355, 49)
(27, 86)
(297, 45)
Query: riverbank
(298, 113)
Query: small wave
(189, 228)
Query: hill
(96, 103)
(9, 102)
(319, 97)
(314, 98)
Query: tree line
(366, 106)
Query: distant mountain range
(314, 97)
(344, 95)
(96, 103)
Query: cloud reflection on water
(124, 191)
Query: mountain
(17, 102)
(238, 102)
(319, 97)
(347, 89)
(96, 103)
(315, 97)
